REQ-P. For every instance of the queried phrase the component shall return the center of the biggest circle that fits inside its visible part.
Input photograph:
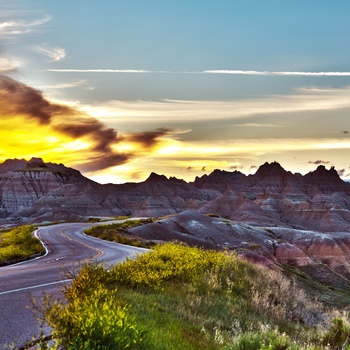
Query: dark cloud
(253, 167)
(318, 162)
(149, 138)
(345, 132)
(104, 161)
(86, 126)
(17, 98)
(204, 168)
(341, 172)
(189, 168)
(235, 167)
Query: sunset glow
(228, 88)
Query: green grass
(19, 244)
(332, 297)
(118, 232)
(177, 297)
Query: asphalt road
(67, 246)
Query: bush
(85, 279)
(96, 320)
(168, 262)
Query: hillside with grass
(19, 244)
(178, 297)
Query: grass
(19, 244)
(177, 297)
(328, 295)
(118, 232)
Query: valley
(273, 217)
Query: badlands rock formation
(273, 217)
(26, 188)
(36, 191)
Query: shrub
(96, 320)
(85, 279)
(168, 262)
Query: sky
(119, 89)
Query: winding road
(66, 246)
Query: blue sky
(233, 83)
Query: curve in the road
(66, 246)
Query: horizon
(179, 89)
(188, 181)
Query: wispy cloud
(8, 64)
(101, 71)
(189, 111)
(287, 73)
(19, 27)
(258, 125)
(213, 71)
(54, 53)
(318, 162)
(235, 72)
(67, 85)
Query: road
(66, 246)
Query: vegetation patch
(333, 297)
(118, 232)
(19, 244)
(178, 297)
(210, 215)
(98, 219)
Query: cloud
(235, 167)
(8, 65)
(102, 71)
(253, 72)
(17, 98)
(235, 72)
(67, 85)
(318, 162)
(100, 162)
(212, 71)
(258, 125)
(341, 172)
(149, 138)
(11, 28)
(165, 111)
(54, 53)
(78, 126)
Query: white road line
(33, 287)
(42, 243)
